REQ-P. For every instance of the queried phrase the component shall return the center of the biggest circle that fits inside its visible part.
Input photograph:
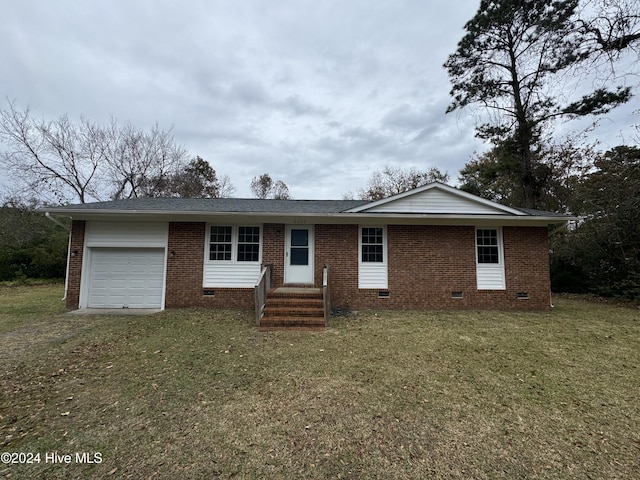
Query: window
(227, 243)
(299, 249)
(372, 258)
(487, 245)
(220, 243)
(372, 245)
(248, 244)
(490, 259)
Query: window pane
(372, 253)
(248, 244)
(220, 234)
(220, 252)
(220, 243)
(299, 238)
(249, 234)
(299, 256)
(372, 245)
(372, 235)
(487, 237)
(248, 252)
(487, 245)
(488, 255)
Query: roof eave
(339, 217)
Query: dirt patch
(32, 338)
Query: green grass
(202, 394)
(21, 305)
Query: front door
(298, 255)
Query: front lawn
(203, 394)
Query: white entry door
(298, 255)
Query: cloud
(318, 94)
(295, 105)
(248, 93)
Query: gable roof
(437, 198)
(432, 203)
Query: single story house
(434, 247)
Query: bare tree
(610, 27)
(264, 187)
(394, 180)
(196, 180)
(62, 161)
(226, 188)
(138, 161)
(56, 159)
(281, 191)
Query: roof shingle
(218, 205)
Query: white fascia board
(316, 218)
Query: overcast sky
(317, 93)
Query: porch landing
(295, 290)
(293, 308)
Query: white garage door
(126, 278)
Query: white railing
(326, 293)
(260, 292)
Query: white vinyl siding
(126, 234)
(489, 259)
(231, 275)
(372, 257)
(435, 201)
(226, 252)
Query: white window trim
(500, 245)
(495, 267)
(382, 268)
(235, 228)
(384, 245)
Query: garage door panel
(156, 269)
(126, 277)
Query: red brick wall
(185, 263)
(428, 263)
(75, 264)
(273, 250)
(337, 246)
(526, 251)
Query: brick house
(434, 247)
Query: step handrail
(263, 285)
(326, 293)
